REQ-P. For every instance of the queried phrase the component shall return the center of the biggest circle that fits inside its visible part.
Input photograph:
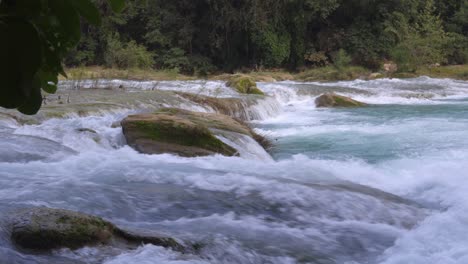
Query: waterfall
(247, 147)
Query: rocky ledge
(182, 132)
(46, 228)
(334, 100)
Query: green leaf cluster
(36, 36)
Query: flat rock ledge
(181, 132)
(334, 100)
(45, 228)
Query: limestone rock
(334, 100)
(45, 228)
(181, 132)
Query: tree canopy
(206, 36)
(199, 36)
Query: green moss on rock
(244, 84)
(45, 228)
(334, 100)
(179, 132)
(187, 134)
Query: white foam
(150, 254)
(289, 206)
(421, 90)
(246, 146)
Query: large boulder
(244, 84)
(334, 100)
(45, 228)
(181, 132)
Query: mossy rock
(45, 228)
(334, 100)
(233, 107)
(180, 132)
(86, 130)
(244, 84)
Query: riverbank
(459, 72)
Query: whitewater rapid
(382, 184)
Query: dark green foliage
(274, 47)
(456, 48)
(126, 55)
(202, 36)
(205, 36)
(341, 59)
(36, 36)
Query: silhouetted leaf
(49, 88)
(27, 8)
(117, 5)
(35, 37)
(33, 102)
(20, 59)
(69, 20)
(88, 10)
(49, 81)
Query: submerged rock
(46, 228)
(86, 130)
(12, 148)
(334, 100)
(115, 124)
(244, 84)
(181, 132)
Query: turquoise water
(372, 134)
(381, 184)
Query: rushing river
(386, 183)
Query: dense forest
(203, 36)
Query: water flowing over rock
(368, 185)
(46, 228)
(12, 148)
(181, 132)
(334, 100)
(245, 108)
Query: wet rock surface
(181, 132)
(335, 100)
(44, 228)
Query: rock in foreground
(46, 228)
(181, 132)
(244, 84)
(334, 100)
